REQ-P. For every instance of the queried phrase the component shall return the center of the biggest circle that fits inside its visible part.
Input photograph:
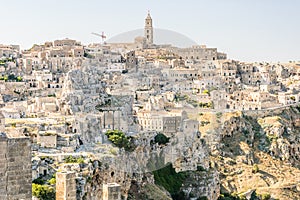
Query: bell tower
(148, 31)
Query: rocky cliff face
(235, 152)
(259, 150)
(83, 90)
(241, 153)
(84, 96)
(136, 170)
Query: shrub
(71, 159)
(204, 123)
(227, 196)
(200, 168)
(43, 192)
(119, 139)
(13, 125)
(255, 169)
(161, 139)
(170, 180)
(52, 181)
(219, 114)
(206, 92)
(265, 196)
(19, 79)
(38, 181)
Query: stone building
(131, 60)
(148, 30)
(65, 186)
(15, 167)
(171, 124)
(2, 123)
(199, 53)
(47, 139)
(66, 42)
(111, 191)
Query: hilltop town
(108, 120)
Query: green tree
(19, 79)
(161, 139)
(11, 77)
(119, 139)
(170, 180)
(52, 181)
(43, 192)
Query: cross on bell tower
(148, 31)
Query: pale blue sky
(248, 30)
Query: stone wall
(111, 191)
(15, 168)
(65, 186)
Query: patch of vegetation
(245, 131)
(52, 181)
(170, 180)
(255, 169)
(43, 192)
(38, 181)
(202, 198)
(161, 139)
(179, 97)
(272, 138)
(119, 139)
(193, 103)
(204, 123)
(19, 79)
(227, 196)
(200, 168)
(298, 108)
(17, 92)
(87, 55)
(11, 77)
(265, 196)
(293, 98)
(4, 78)
(47, 158)
(219, 114)
(206, 92)
(206, 105)
(72, 159)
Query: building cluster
(58, 95)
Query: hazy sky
(247, 30)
